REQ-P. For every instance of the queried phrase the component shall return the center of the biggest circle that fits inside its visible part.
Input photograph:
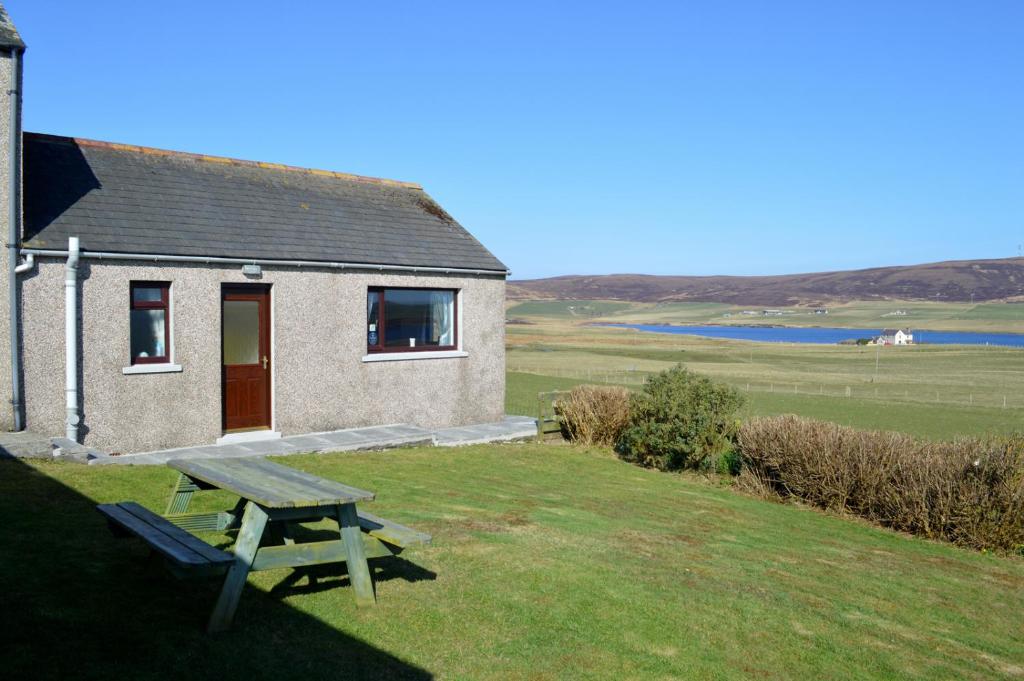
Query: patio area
(511, 428)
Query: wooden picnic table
(271, 498)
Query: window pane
(372, 317)
(241, 332)
(148, 336)
(418, 318)
(147, 294)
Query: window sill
(428, 354)
(151, 369)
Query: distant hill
(952, 281)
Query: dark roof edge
(470, 234)
(206, 158)
(270, 262)
(10, 39)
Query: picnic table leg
(254, 521)
(286, 534)
(355, 555)
(236, 513)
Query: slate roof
(129, 199)
(9, 37)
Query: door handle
(264, 362)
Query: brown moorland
(951, 281)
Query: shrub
(729, 463)
(593, 414)
(680, 420)
(969, 491)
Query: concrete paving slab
(509, 429)
(25, 445)
(265, 448)
(134, 460)
(349, 440)
(306, 443)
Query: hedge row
(969, 491)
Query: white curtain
(157, 323)
(441, 314)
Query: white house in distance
(896, 337)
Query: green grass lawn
(935, 421)
(548, 562)
(521, 391)
(1008, 317)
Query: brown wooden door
(245, 356)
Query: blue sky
(665, 138)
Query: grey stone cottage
(157, 299)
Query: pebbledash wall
(320, 380)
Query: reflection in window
(149, 322)
(410, 319)
(372, 318)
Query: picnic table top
(269, 484)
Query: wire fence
(617, 377)
(968, 396)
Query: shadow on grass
(323, 577)
(76, 603)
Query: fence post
(540, 417)
(848, 391)
(1004, 401)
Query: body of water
(790, 334)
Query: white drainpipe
(30, 262)
(71, 339)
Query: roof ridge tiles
(207, 158)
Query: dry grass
(594, 414)
(969, 491)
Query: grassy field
(570, 308)
(936, 421)
(934, 391)
(548, 562)
(994, 317)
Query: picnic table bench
(272, 499)
(186, 554)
